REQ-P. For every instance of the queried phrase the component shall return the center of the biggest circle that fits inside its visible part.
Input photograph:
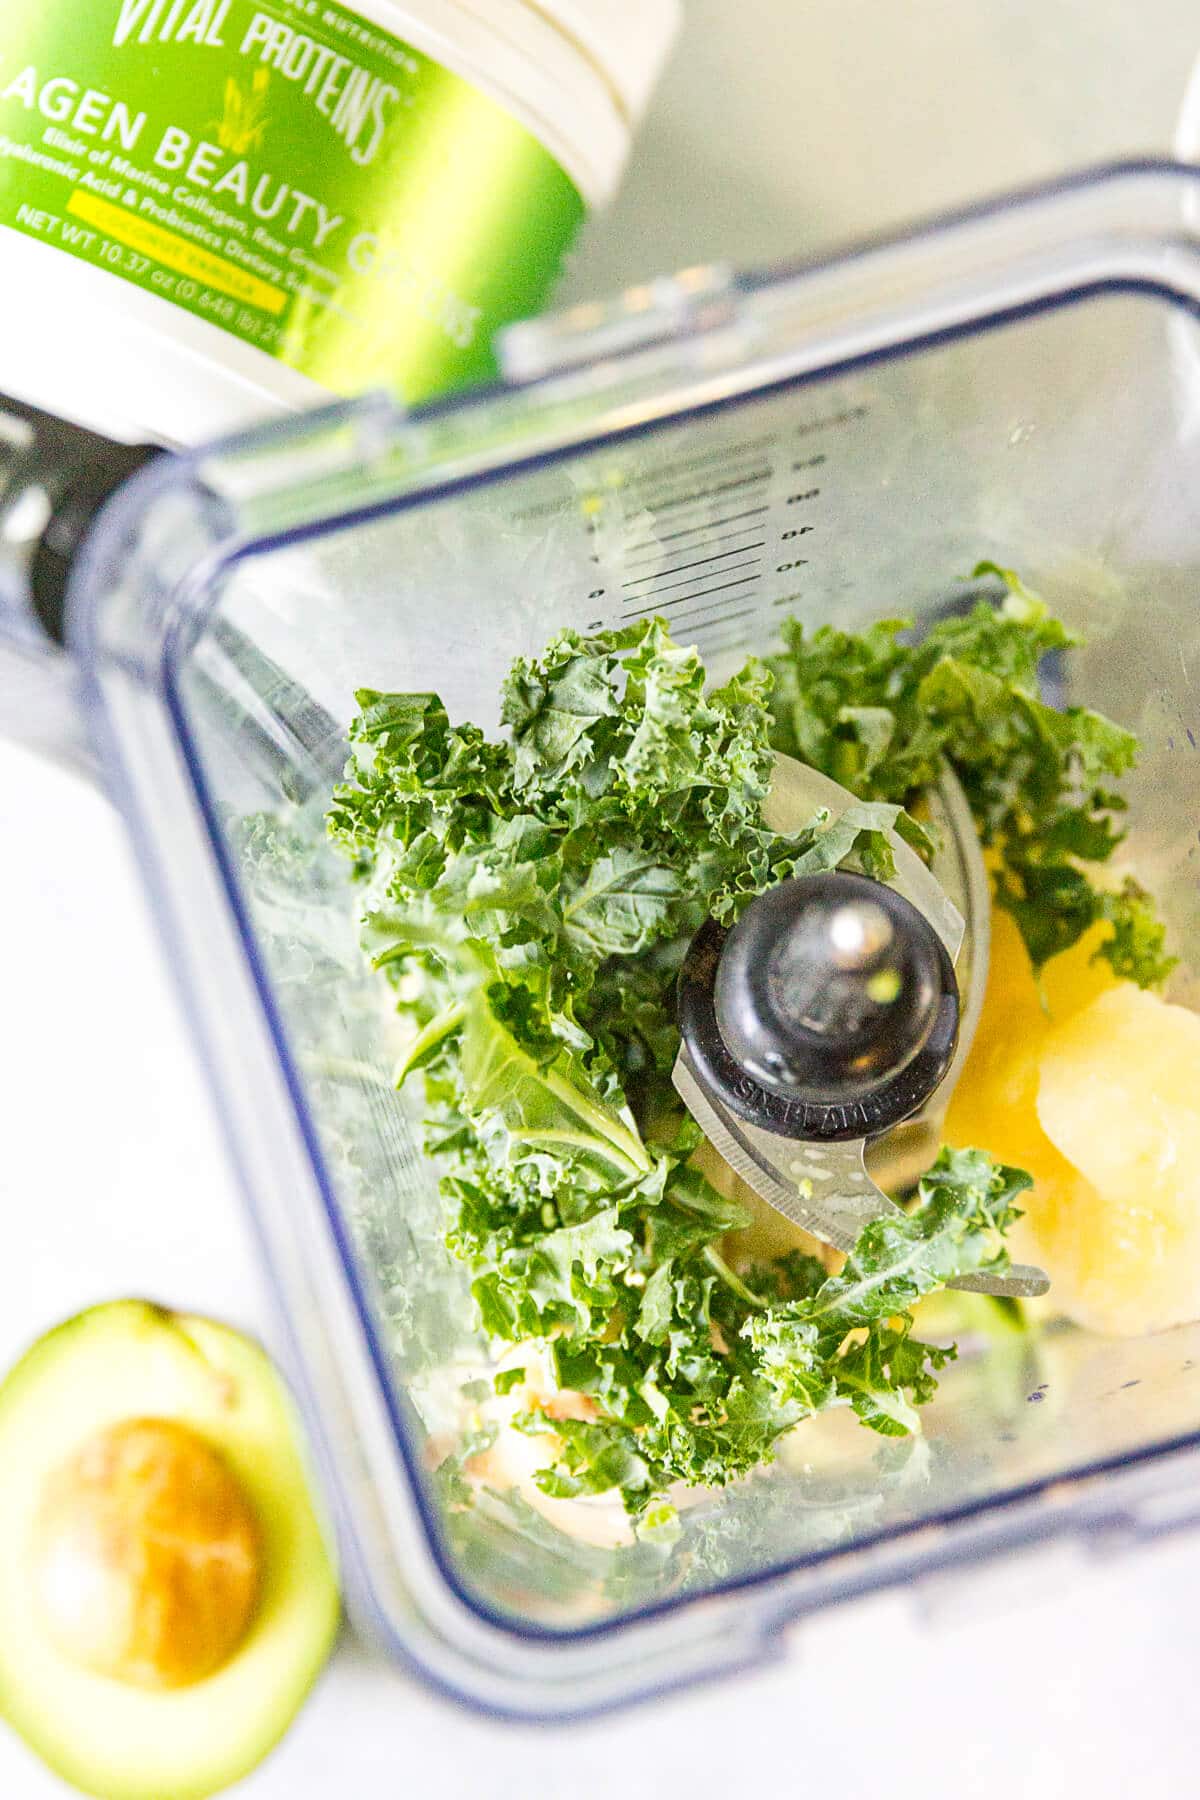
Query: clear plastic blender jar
(836, 443)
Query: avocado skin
(130, 1359)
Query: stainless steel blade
(828, 1189)
(824, 1188)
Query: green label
(291, 174)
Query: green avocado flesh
(133, 1360)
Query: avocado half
(180, 1377)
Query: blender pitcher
(842, 442)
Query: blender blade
(826, 1187)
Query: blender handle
(55, 477)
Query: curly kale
(878, 712)
(530, 898)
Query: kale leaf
(530, 900)
(878, 712)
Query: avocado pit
(146, 1556)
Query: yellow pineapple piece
(1073, 980)
(1119, 1099)
(1094, 1087)
(1068, 1226)
(994, 1106)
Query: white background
(783, 124)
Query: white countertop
(781, 125)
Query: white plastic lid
(577, 73)
(627, 39)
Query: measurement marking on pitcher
(739, 546)
(722, 487)
(714, 615)
(706, 538)
(726, 454)
(726, 538)
(678, 493)
(669, 537)
(717, 556)
(844, 417)
(663, 480)
(682, 599)
(801, 562)
(690, 580)
(718, 635)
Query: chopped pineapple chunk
(1119, 1097)
(1094, 1087)
(994, 1105)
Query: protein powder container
(214, 210)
